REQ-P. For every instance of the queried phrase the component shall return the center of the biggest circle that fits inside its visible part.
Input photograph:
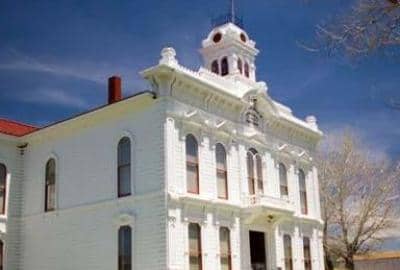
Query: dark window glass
(125, 248)
(246, 70)
(287, 243)
(303, 193)
(225, 248)
(124, 167)
(222, 174)
(3, 188)
(254, 170)
(195, 256)
(240, 65)
(50, 192)
(283, 180)
(224, 67)
(307, 253)
(243, 37)
(192, 165)
(215, 67)
(1, 255)
(217, 37)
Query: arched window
(195, 254)
(307, 253)
(124, 167)
(303, 192)
(50, 192)
(283, 180)
(240, 65)
(3, 188)
(1, 255)
(246, 70)
(254, 170)
(287, 243)
(125, 248)
(224, 66)
(215, 67)
(225, 248)
(222, 174)
(192, 165)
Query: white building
(205, 171)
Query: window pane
(3, 183)
(220, 157)
(125, 248)
(307, 253)
(222, 185)
(191, 147)
(287, 242)
(124, 151)
(283, 180)
(50, 196)
(124, 175)
(215, 67)
(1, 255)
(192, 178)
(303, 192)
(260, 182)
(250, 172)
(194, 246)
(224, 67)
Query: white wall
(82, 232)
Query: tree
(369, 26)
(357, 198)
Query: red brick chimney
(114, 89)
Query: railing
(268, 201)
(223, 19)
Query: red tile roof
(14, 128)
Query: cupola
(228, 50)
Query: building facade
(203, 171)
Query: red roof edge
(14, 128)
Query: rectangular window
(1, 255)
(287, 242)
(125, 248)
(195, 256)
(124, 167)
(3, 185)
(222, 184)
(192, 177)
(50, 186)
(307, 253)
(225, 248)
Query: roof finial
(233, 11)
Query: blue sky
(55, 57)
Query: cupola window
(243, 37)
(217, 37)
(215, 67)
(240, 65)
(246, 70)
(224, 67)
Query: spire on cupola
(228, 50)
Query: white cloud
(56, 97)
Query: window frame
(284, 187)
(288, 258)
(192, 164)
(120, 166)
(121, 252)
(256, 178)
(247, 70)
(308, 259)
(215, 67)
(224, 66)
(229, 254)
(199, 254)
(48, 185)
(2, 253)
(222, 171)
(303, 192)
(3, 188)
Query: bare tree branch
(356, 192)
